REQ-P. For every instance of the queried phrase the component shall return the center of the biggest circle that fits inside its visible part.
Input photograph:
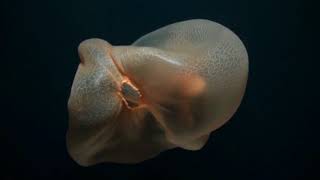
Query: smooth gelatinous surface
(171, 88)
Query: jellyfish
(169, 89)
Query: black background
(272, 135)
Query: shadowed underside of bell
(171, 88)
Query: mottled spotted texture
(190, 78)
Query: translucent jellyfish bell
(171, 88)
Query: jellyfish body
(171, 88)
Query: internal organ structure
(170, 88)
